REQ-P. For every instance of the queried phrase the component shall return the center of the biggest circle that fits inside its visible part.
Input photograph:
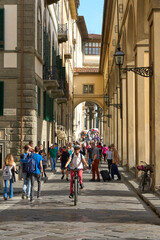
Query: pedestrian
(53, 157)
(36, 174)
(44, 163)
(8, 168)
(104, 151)
(89, 157)
(26, 190)
(83, 149)
(99, 146)
(95, 162)
(41, 149)
(31, 147)
(109, 157)
(64, 158)
(116, 159)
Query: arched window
(39, 32)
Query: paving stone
(106, 210)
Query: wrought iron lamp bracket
(142, 71)
(115, 105)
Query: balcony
(68, 52)
(57, 93)
(49, 2)
(50, 77)
(62, 33)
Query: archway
(87, 115)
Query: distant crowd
(34, 162)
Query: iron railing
(62, 29)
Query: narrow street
(106, 210)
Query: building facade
(135, 128)
(37, 58)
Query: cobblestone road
(105, 211)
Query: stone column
(131, 118)
(124, 120)
(87, 118)
(142, 106)
(154, 20)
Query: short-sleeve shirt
(38, 158)
(53, 152)
(76, 162)
(95, 151)
(109, 155)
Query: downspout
(21, 76)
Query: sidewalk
(151, 199)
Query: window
(88, 89)
(48, 108)
(2, 28)
(92, 48)
(1, 98)
(39, 33)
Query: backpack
(30, 166)
(7, 173)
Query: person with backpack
(116, 160)
(26, 190)
(35, 168)
(76, 161)
(8, 168)
(64, 158)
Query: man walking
(95, 162)
(36, 174)
(114, 169)
(53, 156)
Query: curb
(151, 199)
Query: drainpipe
(21, 76)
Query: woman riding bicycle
(76, 161)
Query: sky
(92, 10)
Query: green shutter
(1, 98)
(39, 102)
(2, 28)
(48, 108)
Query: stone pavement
(152, 199)
(106, 210)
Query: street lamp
(106, 100)
(119, 57)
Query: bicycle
(145, 182)
(75, 186)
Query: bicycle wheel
(75, 192)
(141, 184)
(147, 183)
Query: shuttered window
(39, 101)
(1, 98)
(1, 28)
(48, 107)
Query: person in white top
(109, 156)
(76, 161)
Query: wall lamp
(142, 71)
(106, 100)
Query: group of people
(71, 156)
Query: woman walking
(8, 168)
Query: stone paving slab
(152, 199)
(105, 211)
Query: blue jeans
(53, 163)
(10, 188)
(90, 163)
(26, 184)
(114, 170)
